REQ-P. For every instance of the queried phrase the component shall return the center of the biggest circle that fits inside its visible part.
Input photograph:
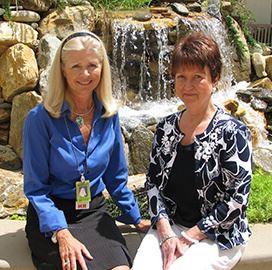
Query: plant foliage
(235, 37)
(120, 4)
(243, 16)
(6, 7)
(105, 4)
(260, 202)
(140, 195)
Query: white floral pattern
(223, 156)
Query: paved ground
(14, 253)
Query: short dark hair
(197, 49)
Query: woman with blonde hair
(73, 142)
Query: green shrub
(235, 37)
(140, 195)
(6, 7)
(17, 217)
(120, 4)
(243, 16)
(105, 4)
(260, 202)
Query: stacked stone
(259, 92)
(18, 74)
(28, 42)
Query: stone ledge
(14, 252)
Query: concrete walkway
(14, 252)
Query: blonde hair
(57, 84)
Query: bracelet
(188, 238)
(54, 237)
(167, 237)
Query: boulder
(5, 109)
(226, 6)
(4, 132)
(18, 71)
(261, 83)
(47, 48)
(61, 23)
(194, 7)
(142, 16)
(12, 198)
(37, 5)
(23, 16)
(136, 181)
(268, 69)
(2, 11)
(20, 106)
(262, 159)
(180, 9)
(13, 33)
(2, 49)
(140, 147)
(8, 158)
(258, 105)
(258, 62)
(259, 93)
(231, 105)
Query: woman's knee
(121, 267)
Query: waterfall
(144, 52)
(119, 43)
(163, 61)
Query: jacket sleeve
(36, 173)
(236, 165)
(115, 179)
(157, 208)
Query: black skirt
(94, 227)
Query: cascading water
(163, 61)
(144, 52)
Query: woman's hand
(143, 226)
(71, 250)
(172, 249)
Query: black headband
(79, 34)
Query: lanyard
(82, 178)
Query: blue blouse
(51, 169)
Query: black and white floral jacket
(223, 167)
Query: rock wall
(30, 37)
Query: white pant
(205, 255)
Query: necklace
(79, 119)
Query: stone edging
(14, 253)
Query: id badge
(83, 195)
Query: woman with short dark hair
(199, 174)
